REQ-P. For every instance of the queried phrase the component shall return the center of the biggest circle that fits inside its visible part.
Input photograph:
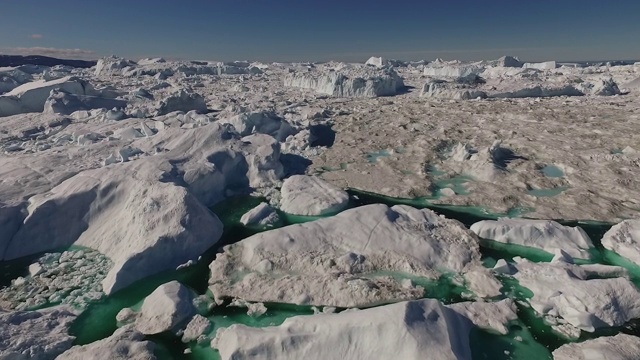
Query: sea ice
(547, 65)
(155, 204)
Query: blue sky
(318, 30)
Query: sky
(321, 30)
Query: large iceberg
(545, 235)
(407, 330)
(618, 347)
(348, 81)
(624, 239)
(31, 97)
(586, 297)
(146, 215)
(345, 260)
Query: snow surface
(308, 195)
(545, 235)
(406, 330)
(344, 260)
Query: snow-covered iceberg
(624, 239)
(31, 97)
(348, 81)
(146, 215)
(586, 297)
(618, 347)
(345, 260)
(125, 344)
(545, 235)
(407, 330)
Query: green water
(528, 338)
(222, 318)
(508, 251)
(457, 184)
(552, 171)
(434, 171)
(373, 157)
(343, 166)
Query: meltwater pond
(552, 171)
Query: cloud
(53, 52)
(36, 36)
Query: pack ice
(126, 159)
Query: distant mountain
(17, 60)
